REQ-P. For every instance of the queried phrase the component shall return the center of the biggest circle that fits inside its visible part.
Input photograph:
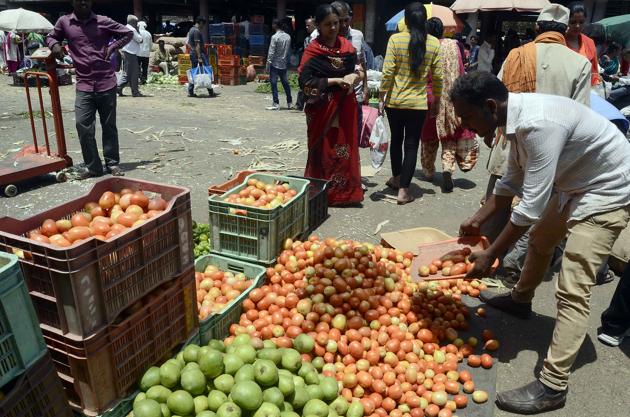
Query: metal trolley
(39, 159)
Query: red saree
(331, 115)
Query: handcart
(37, 159)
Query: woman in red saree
(328, 72)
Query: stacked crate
(228, 65)
(110, 309)
(183, 65)
(29, 384)
(257, 41)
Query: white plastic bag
(379, 142)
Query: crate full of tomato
(87, 260)
(251, 221)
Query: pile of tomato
(113, 214)
(393, 344)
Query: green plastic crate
(217, 326)
(21, 340)
(253, 234)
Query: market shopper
(411, 56)
(544, 66)
(198, 55)
(328, 74)
(144, 52)
(485, 56)
(130, 60)
(88, 36)
(459, 146)
(310, 27)
(578, 41)
(278, 62)
(569, 165)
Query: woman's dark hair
(551, 26)
(478, 86)
(577, 7)
(435, 27)
(416, 19)
(323, 11)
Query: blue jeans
(274, 73)
(193, 61)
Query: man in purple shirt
(89, 36)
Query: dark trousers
(143, 62)
(616, 318)
(274, 73)
(405, 126)
(130, 77)
(85, 107)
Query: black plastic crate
(317, 202)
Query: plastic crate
(237, 179)
(256, 40)
(36, 393)
(229, 80)
(216, 29)
(257, 19)
(230, 61)
(256, 234)
(217, 326)
(317, 202)
(21, 341)
(258, 50)
(223, 50)
(257, 61)
(217, 40)
(256, 29)
(84, 287)
(99, 370)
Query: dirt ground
(195, 142)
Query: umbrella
(21, 20)
(616, 28)
(472, 6)
(452, 24)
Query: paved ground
(196, 142)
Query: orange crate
(83, 288)
(97, 371)
(230, 61)
(229, 80)
(257, 61)
(228, 185)
(182, 79)
(230, 72)
(428, 252)
(36, 393)
(223, 50)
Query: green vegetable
(201, 239)
(265, 88)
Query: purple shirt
(88, 43)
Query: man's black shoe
(532, 398)
(506, 303)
